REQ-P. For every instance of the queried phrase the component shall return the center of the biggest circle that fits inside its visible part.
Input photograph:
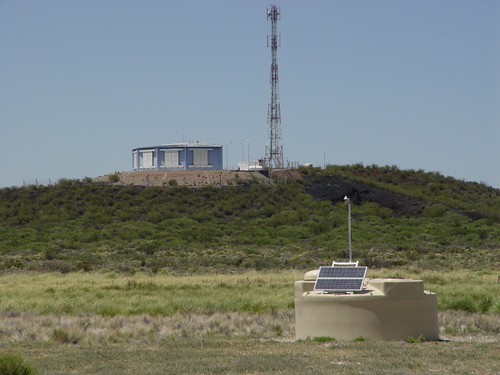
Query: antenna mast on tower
(274, 146)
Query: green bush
(412, 340)
(463, 303)
(324, 339)
(154, 217)
(14, 365)
(113, 178)
(435, 211)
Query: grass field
(113, 294)
(257, 356)
(91, 323)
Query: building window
(171, 158)
(200, 157)
(147, 159)
(134, 161)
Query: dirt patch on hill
(182, 178)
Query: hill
(293, 219)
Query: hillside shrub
(435, 211)
(154, 217)
(113, 178)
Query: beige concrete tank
(385, 309)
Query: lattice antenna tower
(274, 147)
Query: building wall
(184, 156)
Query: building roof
(184, 144)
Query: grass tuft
(66, 336)
(412, 340)
(324, 339)
(12, 364)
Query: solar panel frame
(340, 279)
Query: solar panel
(350, 272)
(340, 279)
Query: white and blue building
(178, 156)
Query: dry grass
(28, 328)
(92, 329)
(460, 324)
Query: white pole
(242, 149)
(347, 201)
(350, 236)
(248, 149)
(227, 163)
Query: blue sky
(409, 83)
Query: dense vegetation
(77, 224)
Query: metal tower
(274, 146)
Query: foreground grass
(92, 308)
(254, 356)
(112, 294)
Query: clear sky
(392, 82)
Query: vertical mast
(274, 146)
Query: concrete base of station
(385, 309)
